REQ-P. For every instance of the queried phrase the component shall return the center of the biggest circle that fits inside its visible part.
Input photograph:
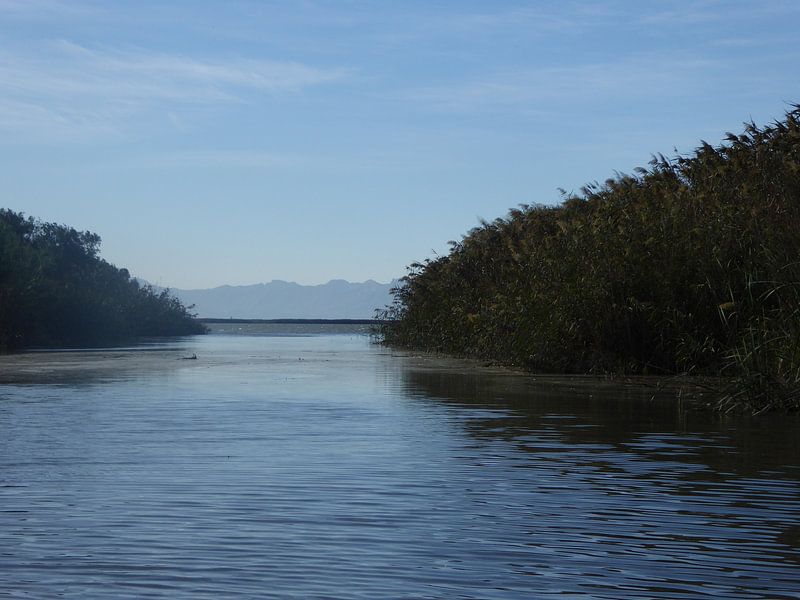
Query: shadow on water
(635, 418)
(645, 440)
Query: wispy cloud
(48, 10)
(68, 87)
(218, 159)
(703, 12)
(301, 164)
(551, 87)
(529, 18)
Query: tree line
(691, 265)
(55, 290)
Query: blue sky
(240, 142)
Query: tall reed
(687, 266)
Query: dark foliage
(690, 266)
(56, 291)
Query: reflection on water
(631, 418)
(320, 466)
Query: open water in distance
(281, 465)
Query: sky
(237, 142)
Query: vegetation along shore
(55, 290)
(689, 266)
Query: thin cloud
(219, 158)
(72, 85)
(714, 11)
(47, 10)
(318, 162)
(31, 6)
(501, 20)
(555, 85)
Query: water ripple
(356, 474)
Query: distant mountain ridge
(337, 299)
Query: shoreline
(703, 391)
(290, 321)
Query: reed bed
(687, 266)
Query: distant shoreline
(295, 321)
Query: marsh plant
(689, 265)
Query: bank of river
(300, 463)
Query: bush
(56, 290)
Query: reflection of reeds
(689, 266)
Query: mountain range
(337, 299)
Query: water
(283, 465)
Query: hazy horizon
(278, 299)
(262, 283)
(248, 142)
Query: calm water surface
(291, 463)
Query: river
(292, 462)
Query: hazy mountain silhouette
(337, 299)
